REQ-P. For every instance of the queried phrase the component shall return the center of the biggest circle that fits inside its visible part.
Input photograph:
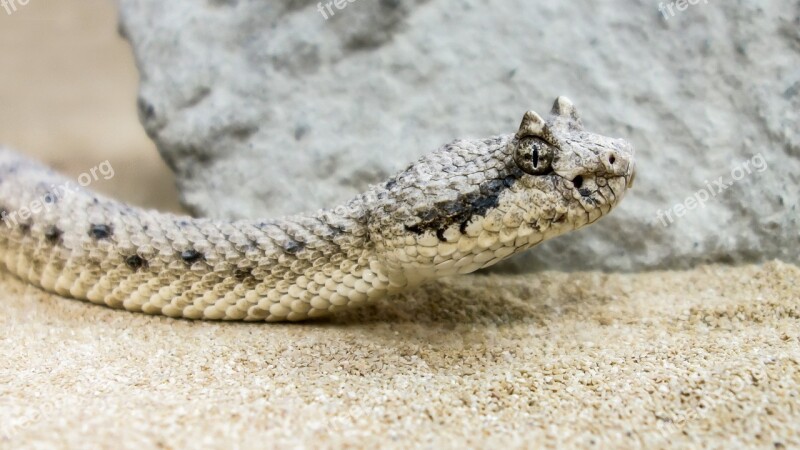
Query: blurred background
(268, 108)
(67, 97)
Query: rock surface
(267, 108)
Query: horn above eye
(532, 125)
(563, 107)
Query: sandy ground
(708, 357)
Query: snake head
(473, 203)
(562, 145)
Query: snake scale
(463, 207)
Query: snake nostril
(612, 159)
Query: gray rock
(267, 108)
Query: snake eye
(534, 156)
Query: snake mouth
(631, 177)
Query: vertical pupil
(535, 157)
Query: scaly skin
(463, 207)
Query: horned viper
(463, 207)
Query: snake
(463, 207)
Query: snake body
(463, 207)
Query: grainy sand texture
(702, 358)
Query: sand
(708, 357)
(700, 358)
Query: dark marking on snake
(135, 262)
(335, 230)
(293, 246)
(191, 256)
(463, 227)
(53, 234)
(50, 198)
(460, 211)
(416, 229)
(242, 274)
(100, 231)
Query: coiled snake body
(465, 206)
